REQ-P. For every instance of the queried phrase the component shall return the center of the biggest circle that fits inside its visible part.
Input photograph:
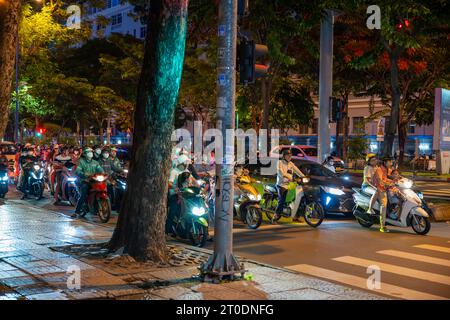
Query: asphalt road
(340, 250)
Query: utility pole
(16, 115)
(223, 264)
(325, 83)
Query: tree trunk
(266, 87)
(140, 228)
(345, 133)
(9, 24)
(395, 106)
(402, 126)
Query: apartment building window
(112, 3)
(143, 32)
(315, 126)
(358, 125)
(116, 19)
(303, 129)
(412, 127)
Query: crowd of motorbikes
(252, 199)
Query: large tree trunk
(9, 24)
(402, 134)
(345, 133)
(140, 228)
(395, 106)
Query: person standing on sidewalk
(382, 183)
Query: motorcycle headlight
(99, 178)
(305, 180)
(36, 167)
(198, 211)
(5, 178)
(72, 179)
(254, 198)
(334, 191)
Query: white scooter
(406, 212)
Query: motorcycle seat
(270, 188)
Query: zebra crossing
(424, 253)
(434, 190)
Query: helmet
(369, 156)
(106, 149)
(286, 152)
(27, 145)
(387, 157)
(183, 159)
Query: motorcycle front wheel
(103, 208)
(253, 217)
(314, 214)
(421, 225)
(73, 197)
(38, 190)
(198, 234)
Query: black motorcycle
(119, 182)
(34, 180)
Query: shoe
(384, 230)
(74, 216)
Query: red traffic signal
(41, 130)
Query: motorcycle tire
(319, 214)
(103, 208)
(198, 236)
(73, 197)
(38, 192)
(253, 217)
(422, 220)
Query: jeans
(282, 192)
(383, 199)
(84, 190)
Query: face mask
(106, 155)
(98, 151)
(89, 155)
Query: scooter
(246, 200)
(69, 189)
(192, 222)
(4, 179)
(119, 182)
(405, 212)
(34, 183)
(98, 201)
(297, 204)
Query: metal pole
(108, 132)
(325, 83)
(16, 118)
(223, 264)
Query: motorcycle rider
(61, 159)
(26, 157)
(97, 153)
(329, 164)
(382, 182)
(367, 185)
(110, 166)
(285, 172)
(87, 166)
(175, 199)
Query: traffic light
(336, 110)
(251, 61)
(40, 131)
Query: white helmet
(183, 159)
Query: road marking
(360, 282)
(416, 257)
(407, 272)
(432, 247)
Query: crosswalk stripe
(407, 272)
(360, 282)
(416, 257)
(433, 247)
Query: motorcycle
(4, 179)
(69, 189)
(246, 200)
(192, 222)
(34, 180)
(119, 182)
(405, 209)
(296, 204)
(98, 202)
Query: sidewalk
(38, 247)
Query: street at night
(219, 158)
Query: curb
(416, 178)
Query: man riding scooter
(87, 166)
(27, 156)
(110, 166)
(175, 199)
(285, 174)
(382, 182)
